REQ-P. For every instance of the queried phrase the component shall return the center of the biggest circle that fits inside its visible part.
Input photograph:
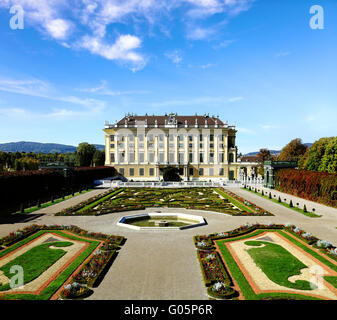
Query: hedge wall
(311, 185)
(28, 187)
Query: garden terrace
(54, 256)
(126, 199)
(269, 262)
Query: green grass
(239, 277)
(98, 201)
(233, 201)
(308, 214)
(35, 261)
(49, 203)
(58, 282)
(278, 264)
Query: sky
(66, 67)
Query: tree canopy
(292, 151)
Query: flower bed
(104, 248)
(92, 270)
(127, 199)
(215, 278)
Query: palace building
(202, 147)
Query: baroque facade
(202, 147)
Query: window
(151, 171)
(181, 157)
(190, 171)
(211, 157)
(221, 157)
(190, 145)
(181, 171)
(200, 145)
(112, 138)
(121, 156)
(211, 171)
(131, 157)
(211, 145)
(141, 137)
(161, 157)
(112, 146)
(131, 137)
(161, 137)
(151, 157)
(161, 145)
(141, 171)
(171, 137)
(150, 137)
(211, 137)
(221, 172)
(141, 157)
(201, 157)
(151, 145)
(190, 138)
(131, 172)
(121, 171)
(112, 157)
(231, 157)
(200, 137)
(171, 157)
(181, 145)
(201, 171)
(190, 157)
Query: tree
(292, 151)
(315, 154)
(98, 158)
(85, 152)
(171, 174)
(263, 156)
(329, 160)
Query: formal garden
(43, 262)
(126, 199)
(267, 262)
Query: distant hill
(26, 146)
(257, 152)
(273, 151)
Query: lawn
(277, 263)
(35, 261)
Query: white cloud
(174, 56)
(87, 21)
(234, 99)
(198, 33)
(42, 89)
(122, 50)
(58, 28)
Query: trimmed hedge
(23, 189)
(314, 186)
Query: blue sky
(255, 63)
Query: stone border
(200, 221)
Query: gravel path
(162, 265)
